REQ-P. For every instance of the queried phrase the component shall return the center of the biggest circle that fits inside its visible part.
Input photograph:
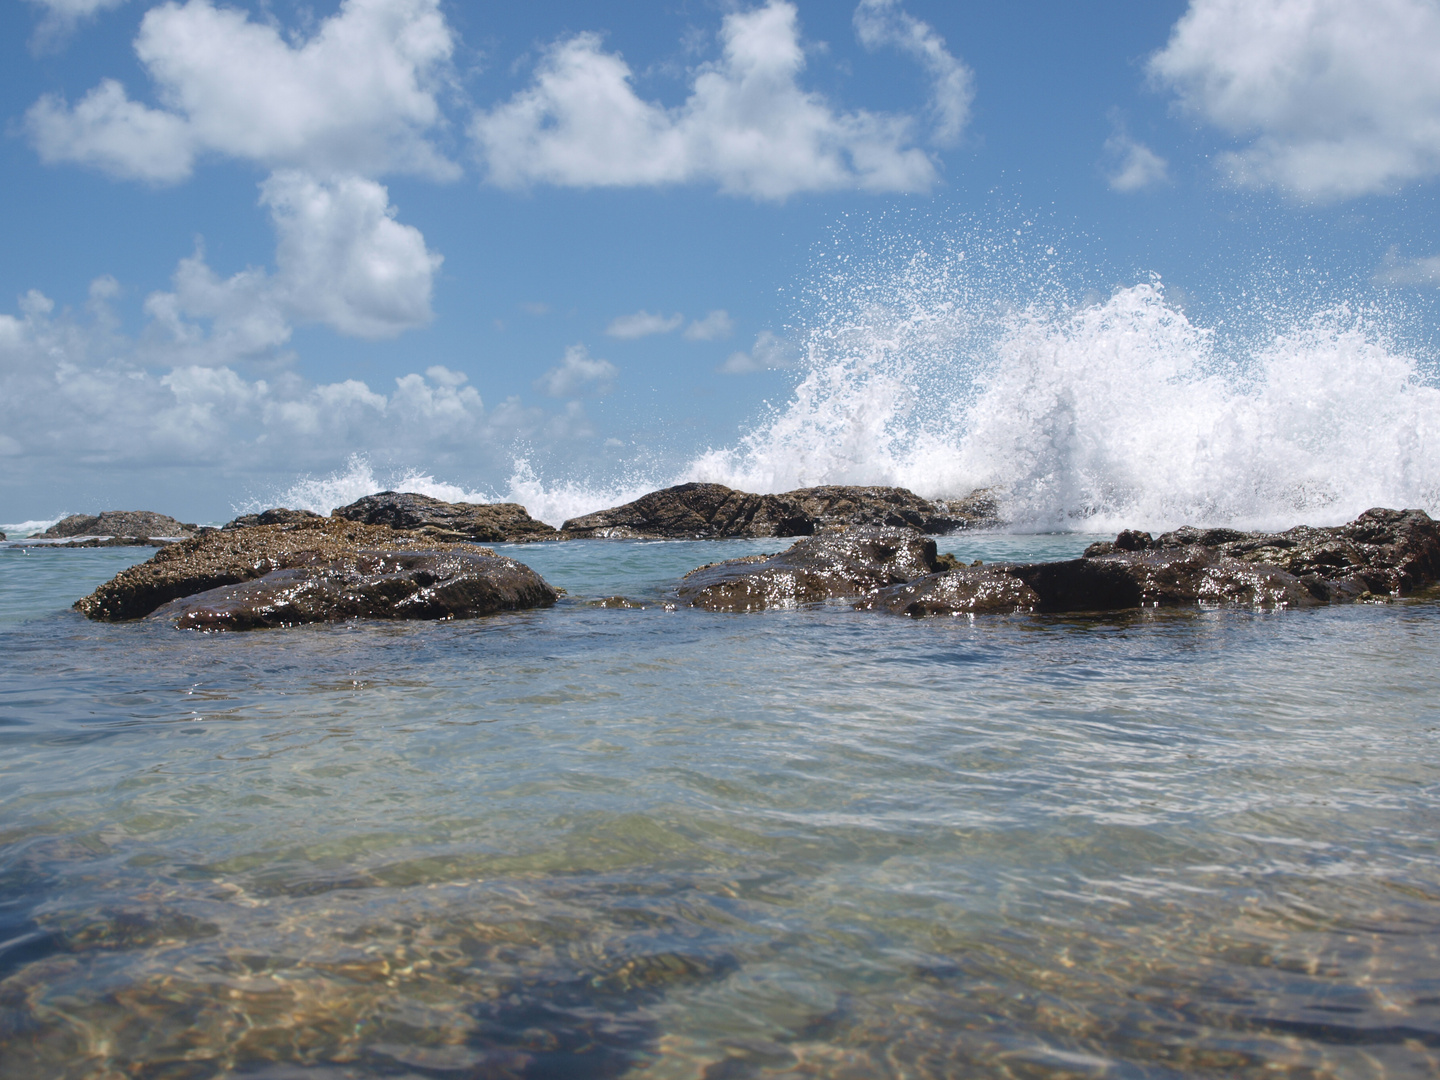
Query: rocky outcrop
(714, 512)
(486, 523)
(138, 525)
(844, 565)
(329, 568)
(452, 584)
(1380, 554)
(1193, 575)
(279, 515)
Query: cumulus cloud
(1337, 98)
(879, 23)
(1133, 165)
(341, 259)
(747, 124)
(1397, 271)
(76, 397)
(712, 327)
(358, 96)
(578, 373)
(642, 324)
(768, 352)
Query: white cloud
(357, 96)
(1135, 166)
(883, 22)
(642, 324)
(768, 352)
(746, 126)
(1338, 98)
(61, 17)
(341, 259)
(1397, 271)
(578, 373)
(712, 327)
(75, 397)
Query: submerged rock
(714, 511)
(279, 515)
(451, 584)
(135, 525)
(489, 523)
(332, 569)
(851, 564)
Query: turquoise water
(591, 842)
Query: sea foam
(956, 366)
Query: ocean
(661, 843)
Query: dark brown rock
(713, 511)
(279, 515)
(426, 584)
(489, 523)
(853, 564)
(1391, 552)
(142, 524)
(979, 590)
(218, 558)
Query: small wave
(21, 529)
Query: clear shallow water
(595, 842)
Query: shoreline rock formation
(1382, 553)
(118, 528)
(320, 570)
(715, 512)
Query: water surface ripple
(593, 842)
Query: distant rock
(487, 523)
(3, 536)
(280, 515)
(139, 525)
(714, 512)
(328, 569)
(837, 565)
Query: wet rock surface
(117, 528)
(332, 569)
(368, 585)
(1382, 553)
(488, 523)
(714, 512)
(851, 564)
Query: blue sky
(248, 242)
